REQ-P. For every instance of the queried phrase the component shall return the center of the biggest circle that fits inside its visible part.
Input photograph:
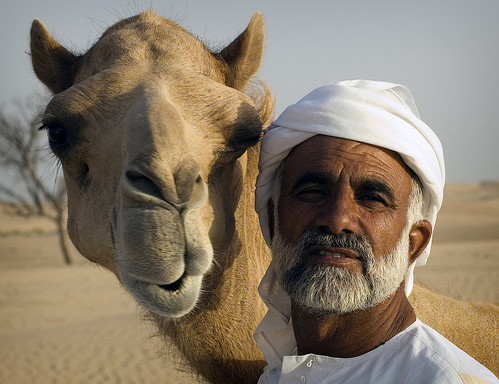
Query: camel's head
(150, 128)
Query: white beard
(331, 289)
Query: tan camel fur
(158, 145)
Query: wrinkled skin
(156, 140)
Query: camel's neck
(218, 339)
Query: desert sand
(75, 324)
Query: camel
(158, 141)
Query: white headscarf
(373, 112)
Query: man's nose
(340, 214)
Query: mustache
(320, 236)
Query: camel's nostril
(143, 183)
(146, 180)
(135, 176)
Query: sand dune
(464, 261)
(75, 324)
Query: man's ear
(270, 214)
(419, 238)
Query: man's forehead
(321, 150)
(321, 142)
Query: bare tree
(33, 189)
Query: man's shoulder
(435, 353)
(427, 341)
(417, 355)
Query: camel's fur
(160, 167)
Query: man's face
(342, 212)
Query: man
(350, 184)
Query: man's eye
(310, 194)
(372, 198)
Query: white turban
(372, 112)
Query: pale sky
(445, 51)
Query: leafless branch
(23, 158)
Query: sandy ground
(75, 324)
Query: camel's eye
(57, 136)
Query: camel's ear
(244, 54)
(53, 64)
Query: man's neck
(351, 334)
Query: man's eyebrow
(312, 177)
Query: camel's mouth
(173, 287)
(161, 257)
(169, 300)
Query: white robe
(419, 354)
